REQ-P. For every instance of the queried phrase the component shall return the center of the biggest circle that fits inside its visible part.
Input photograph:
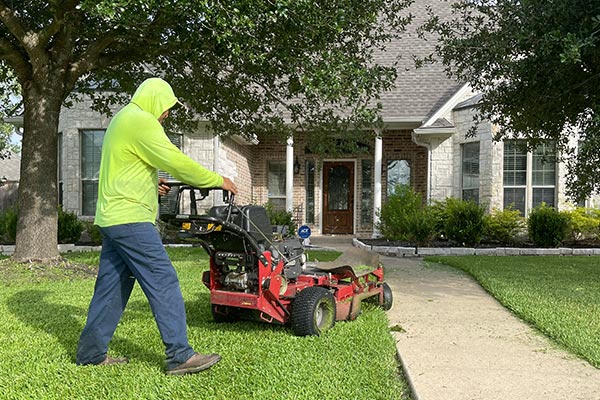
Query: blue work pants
(133, 252)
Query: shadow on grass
(59, 320)
(199, 315)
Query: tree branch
(15, 59)
(94, 57)
(12, 23)
(90, 56)
(28, 40)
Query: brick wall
(398, 145)
(236, 163)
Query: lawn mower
(253, 276)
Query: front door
(338, 197)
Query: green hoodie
(135, 147)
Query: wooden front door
(338, 197)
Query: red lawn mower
(253, 276)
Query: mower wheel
(313, 311)
(388, 297)
(222, 314)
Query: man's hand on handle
(229, 185)
(163, 188)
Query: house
(9, 180)
(423, 143)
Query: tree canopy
(537, 64)
(248, 66)
(6, 146)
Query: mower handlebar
(228, 197)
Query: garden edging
(399, 251)
(395, 251)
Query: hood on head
(155, 96)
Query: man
(135, 147)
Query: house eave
(434, 133)
(16, 121)
(244, 140)
(403, 122)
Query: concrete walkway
(457, 342)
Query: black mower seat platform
(359, 261)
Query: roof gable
(419, 92)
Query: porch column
(217, 195)
(289, 175)
(377, 165)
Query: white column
(289, 175)
(377, 165)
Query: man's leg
(140, 246)
(111, 293)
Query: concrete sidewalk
(457, 342)
(460, 343)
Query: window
(470, 171)
(366, 205)
(543, 174)
(398, 173)
(91, 152)
(168, 203)
(276, 184)
(310, 192)
(515, 175)
(529, 177)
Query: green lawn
(43, 309)
(560, 296)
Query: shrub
(585, 223)
(438, 211)
(281, 218)
(421, 227)
(403, 217)
(93, 232)
(547, 227)
(463, 221)
(503, 226)
(8, 224)
(69, 227)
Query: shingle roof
(473, 101)
(442, 123)
(10, 167)
(418, 91)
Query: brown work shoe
(198, 362)
(114, 361)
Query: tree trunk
(37, 232)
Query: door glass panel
(339, 188)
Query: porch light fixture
(296, 166)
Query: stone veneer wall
(442, 184)
(72, 121)
(490, 159)
(491, 166)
